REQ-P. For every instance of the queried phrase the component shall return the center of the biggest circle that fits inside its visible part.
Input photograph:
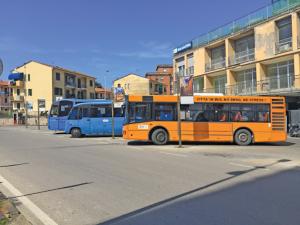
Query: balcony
(242, 57)
(18, 83)
(283, 84)
(215, 64)
(81, 86)
(242, 88)
(284, 45)
(261, 15)
(17, 98)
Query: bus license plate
(143, 127)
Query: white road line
(173, 154)
(41, 215)
(241, 165)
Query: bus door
(84, 121)
(118, 120)
(64, 109)
(53, 117)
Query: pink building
(5, 93)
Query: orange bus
(240, 119)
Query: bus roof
(81, 100)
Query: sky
(108, 38)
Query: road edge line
(34, 209)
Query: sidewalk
(9, 215)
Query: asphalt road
(102, 181)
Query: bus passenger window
(237, 116)
(223, 117)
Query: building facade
(103, 93)
(163, 79)
(5, 93)
(49, 83)
(255, 55)
(134, 84)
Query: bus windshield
(54, 110)
(65, 107)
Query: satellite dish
(1, 66)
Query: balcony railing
(18, 98)
(241, 57)
(284, 45)
(278, 85)
(242, 88)
(18, 83)
(246, 22)
(215, 64)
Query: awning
(16, 76)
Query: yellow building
(47, 83)
(133, 84)
(258, 54)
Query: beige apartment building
(258, 54)
(134, 84)
(35, 81)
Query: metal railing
(215, 64)
(282, 85)
(190, 71)
(241, 57)
(246, 22)
(18, 98)
(283, 45)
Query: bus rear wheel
(76, 133)
(159, 137)
(243, 137)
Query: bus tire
(76, 133)
(243, 137)
(159, 136)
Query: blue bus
(60, 110)
(95, 118)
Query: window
(65, 107)
(246, 81)
(18, 105)
(284, 27)
(18, 92)
(73, 114)
(219, 84)
(92, 95)
(54, 110)
(83, 112)
(5, 100)
(242, 113)
(218, 57)
(29, 92)
(99, 111)
(281, 75)
(118, 112)
(91, 83)
(165, 111)
(139, 112)
(180, 66)
(57, 76)
(263, 113)
(28, 77)
(58, 91)
(244, 49)
(198, 84)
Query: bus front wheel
(76, 133)
(159, 137)
(243, 137)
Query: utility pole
(178, 109)
(39, 126)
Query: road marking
(41, 215)
(241, 165)
(173, 154)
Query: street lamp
(178, 87)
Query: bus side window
(83, 112)
(74, 114)
(263, 113)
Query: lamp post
(178, 109)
